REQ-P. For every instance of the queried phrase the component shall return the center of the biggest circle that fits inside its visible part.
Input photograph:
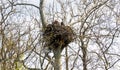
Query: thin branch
(26, 5)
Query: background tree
(95, 23)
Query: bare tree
(95, 23)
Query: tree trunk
(84, 58)
(42, 14)
(57, 55)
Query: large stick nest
(57, 35)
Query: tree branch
(26, 5)
(40, 8)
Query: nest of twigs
(57, 35)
